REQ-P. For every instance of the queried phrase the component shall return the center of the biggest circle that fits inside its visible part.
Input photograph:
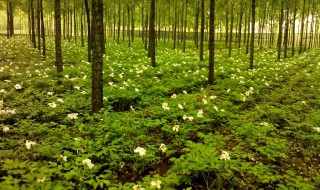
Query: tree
(57, 22)
(43, 35)
(253, 20)
(97, 55)
(202, 30)
(211, 43)
(280, 30)
(152, 33)
(89, 29)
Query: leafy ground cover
(160, 127)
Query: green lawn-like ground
(256, 129)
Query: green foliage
(252, 130)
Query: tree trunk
(119, 21)
(280, 30)
(32, 26)
(89, 29)
(294, 27)
(211, 43)
(43, 35)
(253, 12)
(8, 19)
(240, 25)
(185, 26)
(97, 55)
(248, 37)
(175, 25)
(152, 34)
(57, 23)
(286, 32)
(302, 26)
(196, 25)
(38, 25)
(202, 30)
(81, 26)
(227, 23)
(231, 30)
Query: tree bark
(89, 30)
(253, 12)
(43, 35)
(211, 43)
(57, 22)
(202, 30)
(280, 30)
(97, 55)
(152, 34)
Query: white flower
(50, 93)
(137, 187)
(184, 117)
(52, 104)
(77, 87)
(60, 100)
(29, 143)
(204, 101)
(41, 180)
(64, 158)
(6, 129)
(163, 147)
(140, 150)
(131, 108)
(66, 76)
(165, 106)
(224, 155)
(156, 183)
(215, 108)
(185, 92)
(136, 89)
(180, 106)
(17, 86)
(213, 97)
(228, 90)
(88, 162)
(303, 102)
(176, 128)
(200, 113)
(190, 118)
(317, 129)
(264, 123)
(3, 91)
(174, 96)
(73, 115)
(77, 139)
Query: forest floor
(160, 127)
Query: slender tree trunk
(307, 27)
(280, 30)
(286, 31)
(240, 24)
(43, 35)
(196, 26)
(119, 21)
(81, 26)
(185, 26)
(202, 30)
(11, 20)
(57, 23)
(211, 43)
(231, 30)
(38, 25)
(227, 23)
(152, 33)
(88, 29)
(97, 55)
(253, 12)
(294, 27)
(248, 37)
(8, 19)
(272, 25)
(75, 21)
(302, 26)
(132, 19)
(175, 25)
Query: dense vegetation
(159, 127)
